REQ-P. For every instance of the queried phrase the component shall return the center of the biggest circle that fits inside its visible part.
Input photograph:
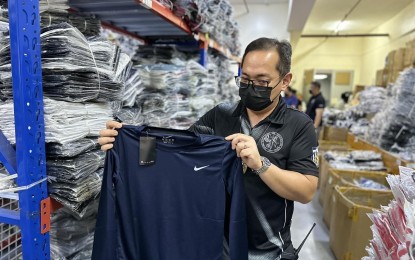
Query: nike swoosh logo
(200, 168)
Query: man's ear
(286, 81)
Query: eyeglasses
(258, 85)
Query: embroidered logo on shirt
(200, 168)
(272, 142)
(315, 157)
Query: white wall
(262, 21)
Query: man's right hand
(107, 136)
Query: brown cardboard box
(407, 60)
(398, 59)
(350, 226)
(334, 134)
(381, 77)
(322, 178)
(389, 60)
(346, 179)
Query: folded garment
(65, 122)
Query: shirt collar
(276, 117)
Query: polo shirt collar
(276, 117)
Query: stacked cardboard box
(350, 226)
(409, 57)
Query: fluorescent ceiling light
(341, 25)
(320, 76)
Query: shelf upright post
(29, 122)
(203, 51)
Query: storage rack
(147, 20)
(25, 219)
(28, 159)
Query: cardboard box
(325, 145)
(381, 77)
(350, 226)
(334, 134)
(398, 59)
(322, 178)
(389, 60)
(345, 178)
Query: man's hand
(247, 149)
(107, 136)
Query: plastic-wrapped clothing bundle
(88, 25)
(74, 69)
(46, 5)
(369, 184)
(372, 99)
(65, 122)
(395, 124)
(127, 44)
(360, 127)
(407, 152)
(148, 55)
(213, 17)
(360, 160)
(78, 195)
(69, 170)
(5, 183)
(71, 149)
(72, 238)
(133, 87)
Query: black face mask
(256, 100)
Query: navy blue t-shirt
(180, 207)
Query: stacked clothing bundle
(356, 160)
(338, 118)
(56, 12)
(127, 44)
(168, 54)
(64, 122)
(227, 86)
(360, 127)
(72, 238)
(74, 69)
(372, 99)
(395, 124)
(394, 225)
(204, 94)
(213, 17)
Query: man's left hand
(247, 149)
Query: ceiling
(257, 2)
(366, 16)
(323, 16)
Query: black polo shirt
(314, 103)
(287, 138)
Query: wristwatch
(265, 165)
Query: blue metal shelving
(28, 159)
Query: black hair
(282, 47)
(316, 84)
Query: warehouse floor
(317, 245)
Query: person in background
(315, 106)
(277, 145)
(290, 97)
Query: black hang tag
(147, 150)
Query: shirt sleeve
(304, 152)
(205, 124)
(105, 236)
(320, 103)
(238, 238)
